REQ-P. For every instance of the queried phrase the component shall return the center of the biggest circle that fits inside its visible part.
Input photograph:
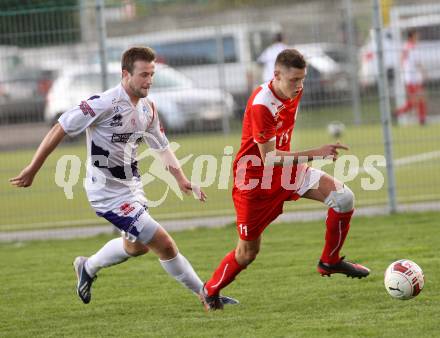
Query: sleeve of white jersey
(77, 119)
(156, 137)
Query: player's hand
(198, 193)
(331, 150)
(187, 187)
(24, 179)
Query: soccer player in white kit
(115, 122)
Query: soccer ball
(404, 279)
(335, 129)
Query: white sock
(111, 253)
(182, 271)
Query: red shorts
(413, 88)
(257, 208)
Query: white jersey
(114, 128)
(412, 73)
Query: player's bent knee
(341, 200)
(245, 258)
(143, 250)
(135, 252)
(135, 249)
(168, 247)
(149, 228)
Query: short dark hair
(134, 54)
(291, 58)
(411, 33)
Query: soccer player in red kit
(267, 173)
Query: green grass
(281, 294)
(45, 205)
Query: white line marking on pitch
(401, 161)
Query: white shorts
(113, 194)
(133, 220)
(309, 180)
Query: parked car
(23, 94)
(180, 104)
(213, 57)
(428, 47)
(327, 73)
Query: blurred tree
(31, 23)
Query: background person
(413, 75)
(269, 55)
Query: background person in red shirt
(267, 174)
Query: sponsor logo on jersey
(116, 120)
(86, 109)
(136, 217)
(121, 138)
(124, 138)
(280, 108)
(116, 109)
(126, 208)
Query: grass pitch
(281, 293)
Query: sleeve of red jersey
(263, 124)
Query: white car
(180, 104)
(198, 53)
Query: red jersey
(267, 117)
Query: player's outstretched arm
(49, 143)
(269, 154)
(325, 151)
(172, 164)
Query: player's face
(142, 78)
(290, 80)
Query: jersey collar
(122, 93)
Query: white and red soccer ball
(335, 129)
(404, 279)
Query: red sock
(224, 274)
(405, 108)
(338, 225)
(422, 111)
